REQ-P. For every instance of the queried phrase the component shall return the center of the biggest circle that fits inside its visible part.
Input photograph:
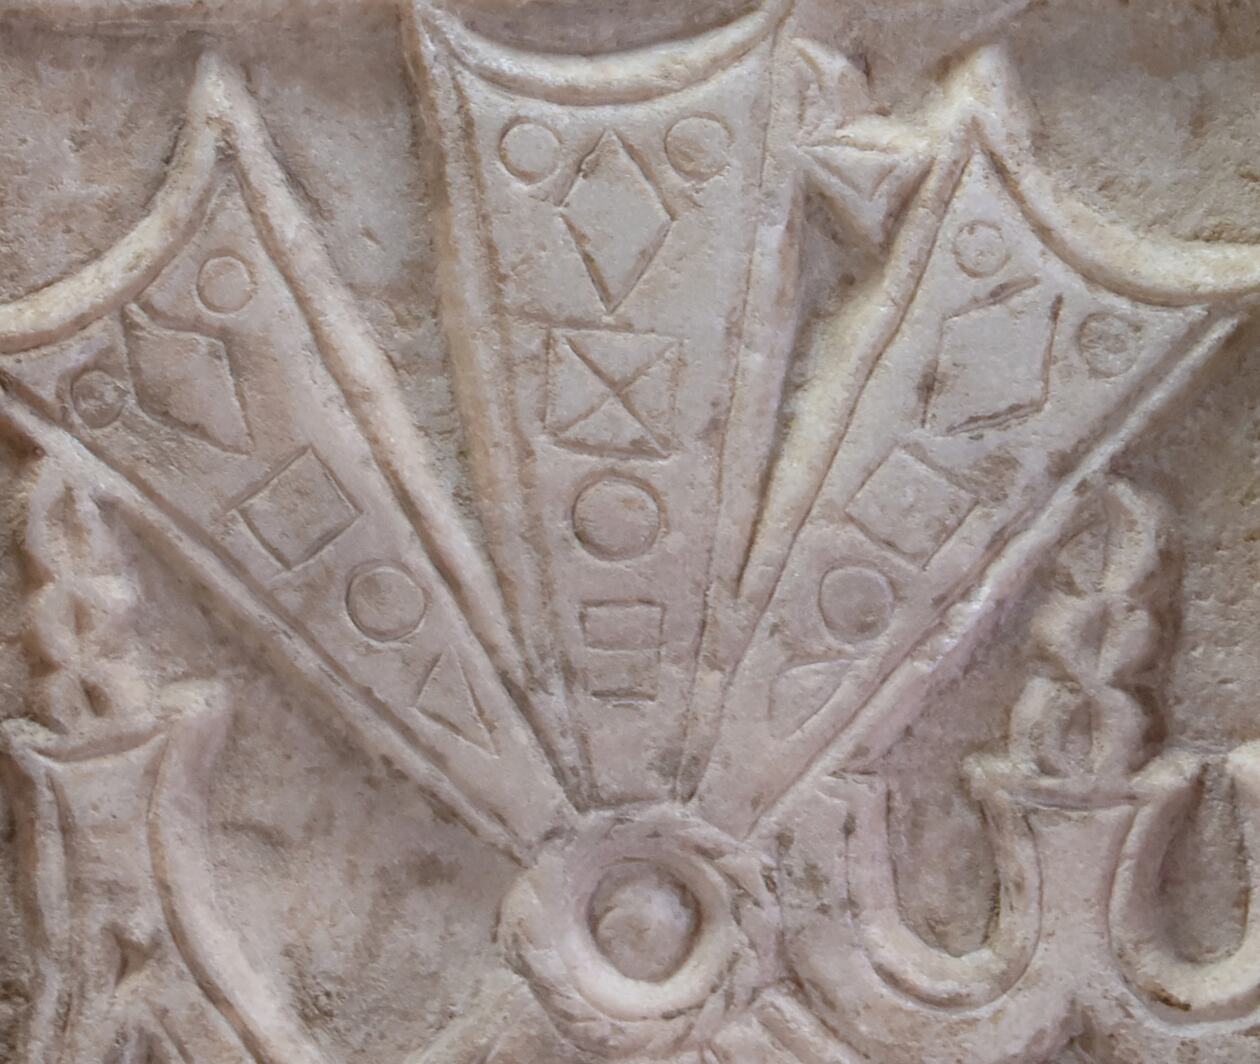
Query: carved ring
(620, 993)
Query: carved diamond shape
(908, 506)
(616, 218)
(993, 367)
(299, 510)
(185, 379)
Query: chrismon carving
(658, 666)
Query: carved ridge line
(789, 506)
(45, 860)
(631, 76)
(755, 399)
(474, 1034)
(897, 698)
(240, 594)
(1166, 271)
(772, 545)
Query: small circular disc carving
(385, 603)
(644, 920)
(1109, 343)
(529, 151)
(97, 397)
(225, 284)
(698, 147)
(616, 518)
(980, 249)
(856, 603)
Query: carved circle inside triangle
(698, 147)
(97, 397)
(1109, 343)
(225, 284)
(856, 603)
(617, 518)
(529, 151)
(385, 603)
(980, 249)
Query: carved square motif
(299, 510)
(612, 392)
(909, 506)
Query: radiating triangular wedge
(214, 378)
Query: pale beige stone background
(1147, 112)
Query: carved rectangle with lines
(624, 648)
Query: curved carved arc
(222, 119)
(897, 952)
(1163, 270)
(629, 76)
(179, 207)
(1182, 991)
(855, 992)
(177, 830)
(487, 810)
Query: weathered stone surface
(717, 532)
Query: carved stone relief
(718, 533)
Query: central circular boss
(642, 935)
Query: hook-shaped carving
(896, 998)
(1189, 991)
(896, 951)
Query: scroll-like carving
(1181, 990)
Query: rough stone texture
(722, 532)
